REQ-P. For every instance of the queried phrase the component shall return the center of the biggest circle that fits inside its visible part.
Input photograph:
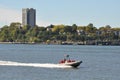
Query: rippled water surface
(40, 62)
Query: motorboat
(67, 61)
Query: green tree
(74, 28)
(4, 34)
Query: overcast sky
(80, 12)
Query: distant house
(81, 32)
(117, 33)
(49, 29)
(109, 31)
(98, 32)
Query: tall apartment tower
(29, 17)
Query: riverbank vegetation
(60, 34)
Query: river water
(40, 62)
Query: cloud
(9, 15)
(44, 23)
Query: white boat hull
(73, 64)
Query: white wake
(44, 65)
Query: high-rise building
(29, 17)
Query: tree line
(58, 33)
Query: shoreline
(63, 43)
